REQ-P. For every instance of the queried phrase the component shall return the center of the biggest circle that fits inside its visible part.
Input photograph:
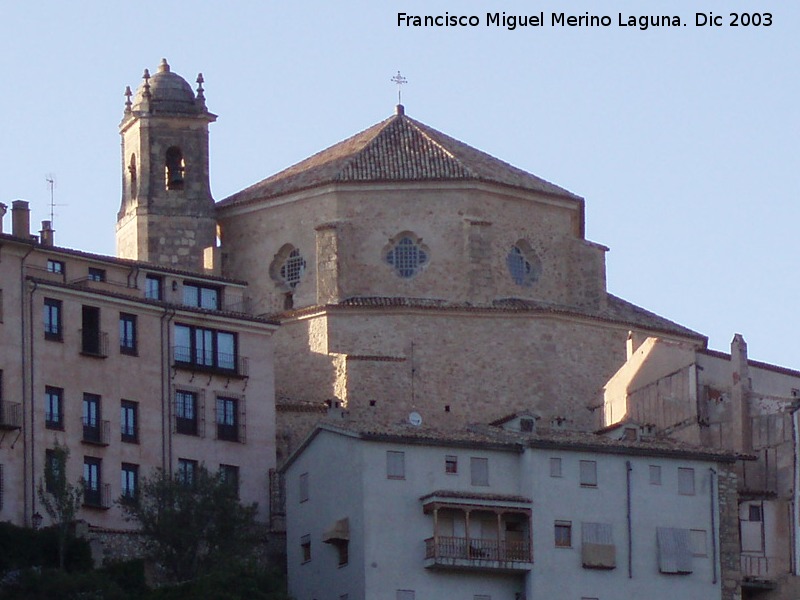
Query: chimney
(20, 219)
(741, 391)
(46, 234)
(335, 409)
(3, 211)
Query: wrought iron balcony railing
(10, 415)
(215, 362)
(93, 343)
(96, 432)
(96, 496)
(479, 551)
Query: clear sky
(681, 139)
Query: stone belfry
(167, 212)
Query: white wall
(558, 572)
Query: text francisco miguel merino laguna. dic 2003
(561, 19)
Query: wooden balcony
(758, 572)
(477, 554)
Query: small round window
(407, 255)
(523, 264)
(288, 267)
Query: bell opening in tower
(174, 168)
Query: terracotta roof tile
(397, 149)
(491, 437)
(126, 262)
(157, 303)
(616, 311)
(466, 495)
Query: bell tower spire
(167, 211)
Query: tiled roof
(157, 303)
(397, 149)
(489, 436)
(545, 437)
(411, 434)
(753, 363)
(476, 496)
(616, 311)
(126, 262)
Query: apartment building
(132, 367)
(721, 400)
(507, 511)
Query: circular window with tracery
(288, 266)
(406, 254)
(523, 264)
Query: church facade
(410, 271)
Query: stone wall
(453, 367)
(112, 545)
(729, 532)
(468, 230)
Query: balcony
(210, 362)
(228, 433)
(96, 432)
(93, 343)
(478, 532)
(482, 554)
(97, 496)
(756, 572)
(10, 415)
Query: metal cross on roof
(399, 80)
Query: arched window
(406, 254)
(133, 179)
(523, 264)
(174, 168)
(288, 267)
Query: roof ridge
(397, 149)
(421, 129)
(296, 167)
(379, 129)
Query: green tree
(193, 526)
(61, 499)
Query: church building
(410, 271)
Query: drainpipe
(32, 403)
(628, 470)
(24, 363)
(712, 486)
(166, 404)
(795, 492)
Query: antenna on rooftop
(400, 81)
(50, 178)
(51, 183)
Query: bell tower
(167, 212)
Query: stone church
(411, 272)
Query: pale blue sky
(680, 139)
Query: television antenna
(50, 178)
